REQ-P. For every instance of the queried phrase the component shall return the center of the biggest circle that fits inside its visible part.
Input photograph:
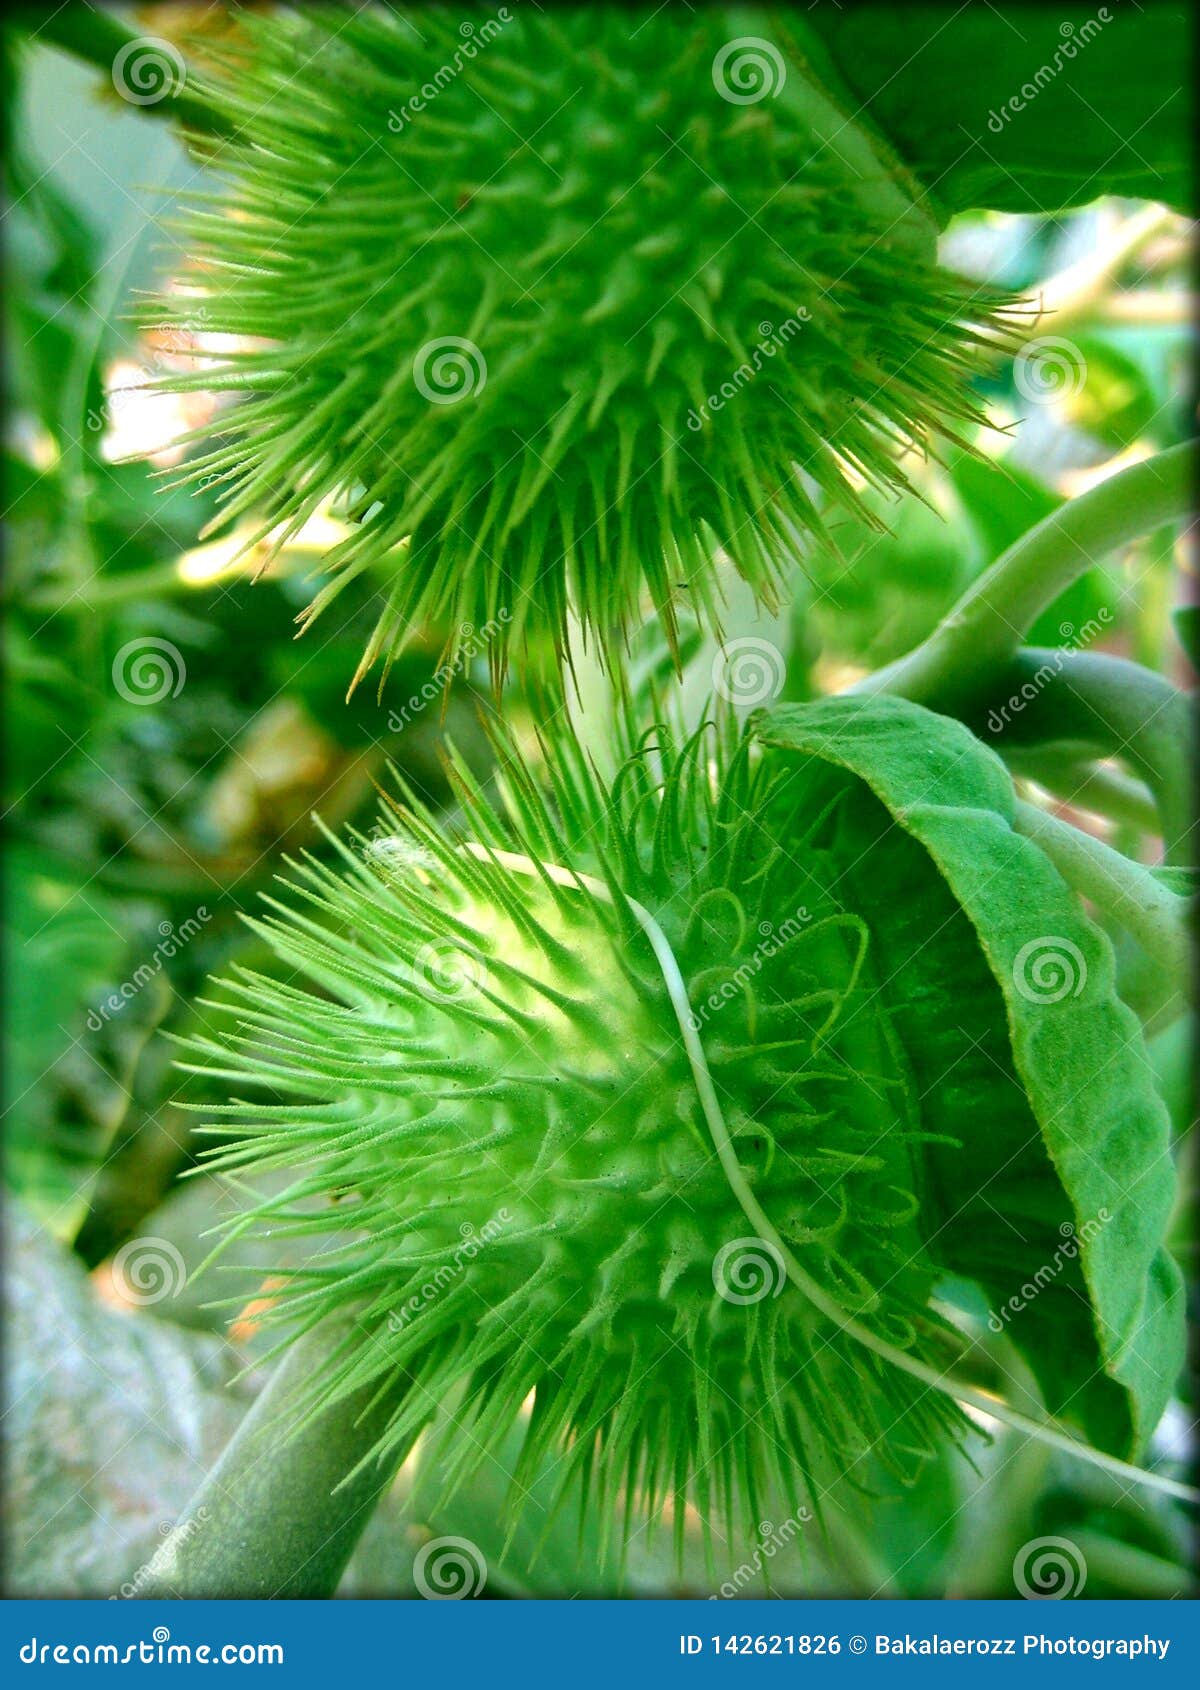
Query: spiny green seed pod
(559, 304)
(647, 1099)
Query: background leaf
(1109, 120)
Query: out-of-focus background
(167, 743)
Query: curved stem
(277, 1516)
(938, 1379)
(1127, 891)
(96, 36)
(1066, 772)
(107, 591)
(1137, 1573)
(983, 631)
(1115, 706)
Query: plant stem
(99, 589)
(96, 36)
(274, 1517)
(1070, 776)
(983, 631)
(1127, 891)
(1132, 1571)
(1113, 705)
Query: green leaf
(1019, 108)
(1003, 500)
(1042, 1076)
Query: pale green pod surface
(558, 304)
(478, 1076)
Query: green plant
(661, 1114)
(505, 1048)
(500, 370)
(520, 1038)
